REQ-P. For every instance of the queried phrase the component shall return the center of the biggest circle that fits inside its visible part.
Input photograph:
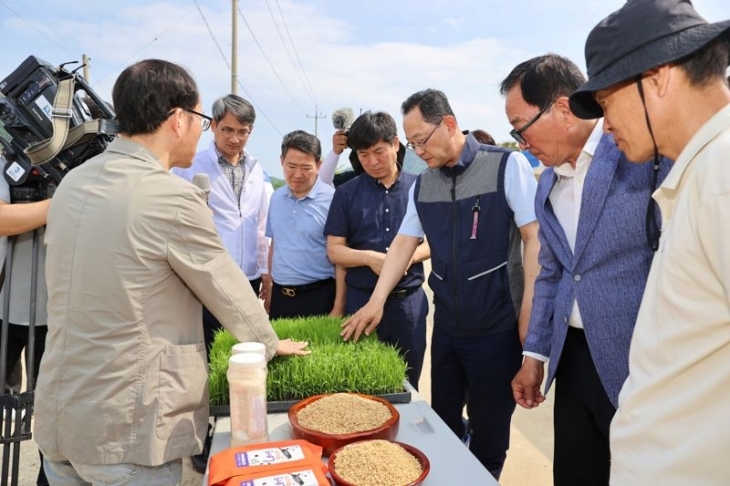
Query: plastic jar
(247, 398)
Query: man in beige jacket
(131, 253)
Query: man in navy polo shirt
(363, 219)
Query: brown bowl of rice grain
(378, 463)
(335, 420)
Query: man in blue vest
(475, 205)
(363, 220)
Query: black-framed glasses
(517, 134)
(204, 119)
(422, 144)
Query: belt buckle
(398, 293)
(288, 292)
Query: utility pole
(317, 116)
(234, 46)
(85, 61)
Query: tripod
(17, 410)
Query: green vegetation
(276, 182)
(367, 366)
(510, 144)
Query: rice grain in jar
(247, 397)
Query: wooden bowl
(425, 465)
(331, 442)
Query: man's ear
(450, 123)
(562, 106)
(176, 122)
(660, 78)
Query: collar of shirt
(667, 191)
(223, 161)
(589, 148)
(377, 183)
(129, 148)
(466, 157)
(313, 192)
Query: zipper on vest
(454, 209)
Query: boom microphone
(202, 182)
(343, 118)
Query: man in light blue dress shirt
(303, 282)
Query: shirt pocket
(182, 389)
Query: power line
(155, 39)
(228, 65)
(35, 27)
(294, 47)
(270, 64)
(283, 42)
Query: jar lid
(249, 347)
(246, 361)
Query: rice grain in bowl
(335, 420)
(378, 463)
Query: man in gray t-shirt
(21, 219)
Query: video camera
(50, 122)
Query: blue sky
(366, 55)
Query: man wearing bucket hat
(657, 76)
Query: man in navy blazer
(597, 225)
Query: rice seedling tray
(368, 366)
(283, 406)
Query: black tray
(284, 405)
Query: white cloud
(367, 55)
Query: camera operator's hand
(339, 141)
(288, 347)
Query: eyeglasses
(422, 144)
(517, 134)
(229, 132)
(204, 119)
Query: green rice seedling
(368, 366)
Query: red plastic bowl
(425, 465)
(331, 442)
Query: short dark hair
(302, 141)
(146, 92)
(371, 128)
(543, 79)
(241, 109)
(432, 103)
(704, 66)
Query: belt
(402, 293)
(291, 290)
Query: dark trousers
(477, 370)
(211, 324)
(315, 299)
(403, 325)
(17, 342)
(582, 416)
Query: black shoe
(200, 461)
